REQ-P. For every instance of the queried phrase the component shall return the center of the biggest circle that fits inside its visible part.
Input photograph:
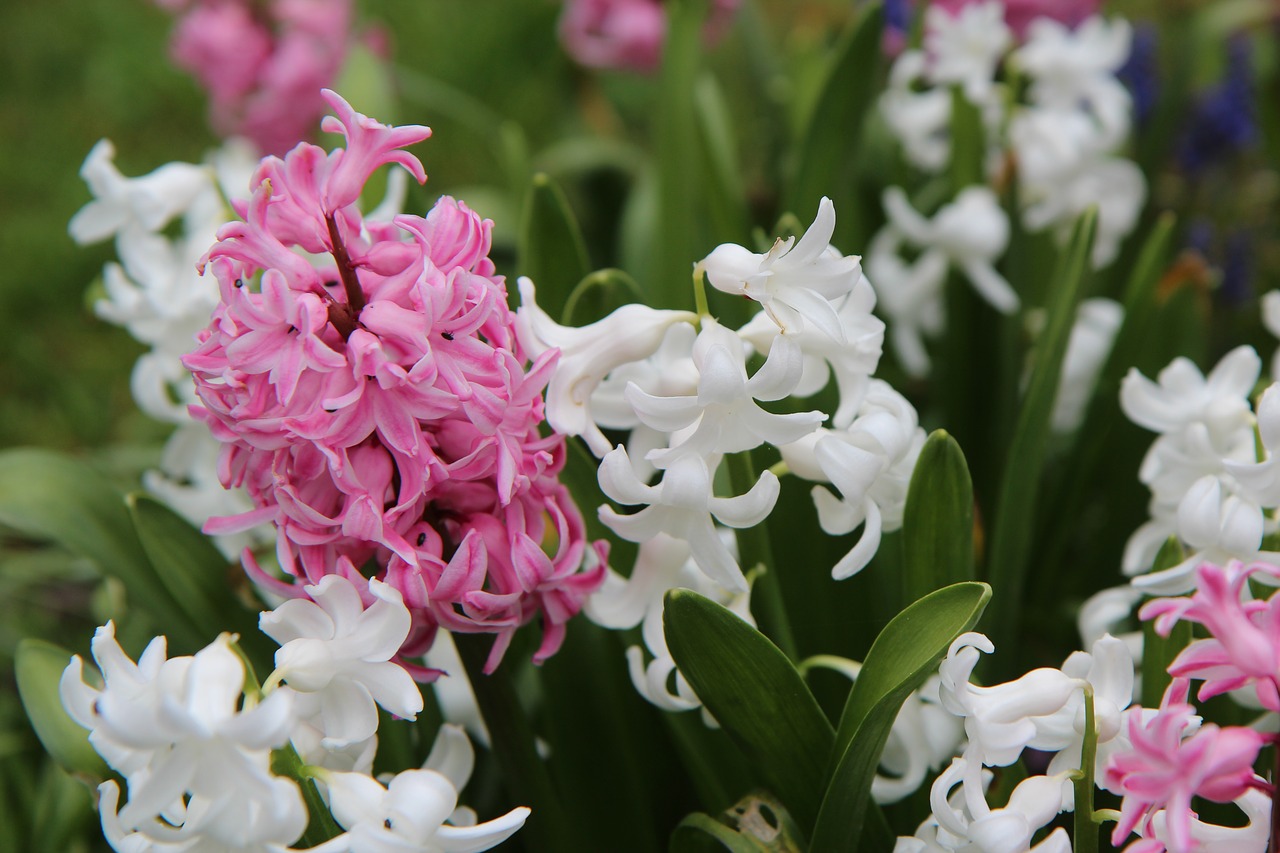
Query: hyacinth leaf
(320, 826)
(197, 575)
(1139, 302)
(968, 143)
(598, 295)
(1158, 652)
(905, 653)
(726, 197)
(50, 496)
(1011, 535)
(758, 823)
(937, 525)
(756, 695)
(38, 668)
(834, 123)
(678, 240)
(551, 250)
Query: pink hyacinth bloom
(1165, 768)
(627, 34)
(1244, 646)
(263, 63)
(1019, 14)
(375, 405)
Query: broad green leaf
(38, 668)
(1011, 534)
(757, 823)
(1158, 652)
(1139, 302)
(197, 575)
(679, 242)
(937, 524)
(968, 143)
(48, 495)
(834, 125)
(598, 295)
(904, 654)
(551, 251)
(726, 197)
(755, 694)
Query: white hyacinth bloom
(870, 463)
(795, 282)
(1182, 395)
(146, 203)
(724, 417)
(178, 727)
(965, 49)
(453, 691)
(417, 812)
(920, 119)
(587, 355)
(682, 506)
(851, 364)
(338, 651)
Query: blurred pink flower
(375, 405)
(263, 63)
(1019, 14)
(627, 34)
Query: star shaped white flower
(795, 282)
(587, 355)
(682, 506)
(336, 650)
(724, 415)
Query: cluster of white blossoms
(1211, 470)
(1042, 710)
(675, 386)
(155, 293)
(194, 742)
(1062, 145)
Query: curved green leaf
(51, 496)
(755, 694)
(197, 575)
(757, 823)
(904, 654)
(835, 122)
(551, 250)
(1011, 533)
(38, 668)
(937, 524)
(726, 196)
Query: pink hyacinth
(263, 63)
(627, 34)
(1019, 14)
(1169, 762)
(374, 403)
(1244, 646)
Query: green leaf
(904, 654)
(197, 575)
(937, 524)
(551, 250)
(757, 823)
(38, 668)
(755, 694)
(598, 295)
(726, 197)
(678, 241)
(1158, 652)
(968, 143)
(47, 495)
(834, 124)
(1011, 535)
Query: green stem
(514, 747)
(700, 292)
(321, 826)
(1086, 830)
(755, 548)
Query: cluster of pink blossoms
(1174, 757)
(374, 402)
(263, 62)
(628, 34)
(1019, 14)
